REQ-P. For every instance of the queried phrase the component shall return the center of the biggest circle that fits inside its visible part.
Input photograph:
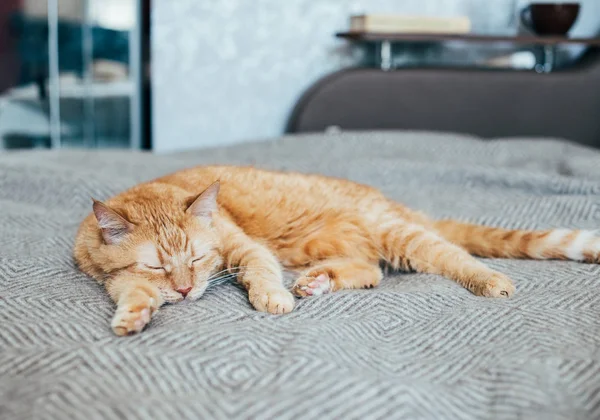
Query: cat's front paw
(275, 300)
(133, 317)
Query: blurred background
(71, 73)
(170, 75)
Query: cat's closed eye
(154, 268)
(197, 259)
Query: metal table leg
(53, 75)
(549, 59)
(385, 55)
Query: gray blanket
(417, 347)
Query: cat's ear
(205, 204)
(113, 226)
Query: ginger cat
(165, 240)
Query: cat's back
(251, 187)
(299, 216)
(259, 199)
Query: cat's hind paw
(496, 286)
(312, 286)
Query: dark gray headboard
(486, 103)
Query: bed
(417, 347)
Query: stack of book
(409, 24)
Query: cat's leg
(412, 246)
(257, 269)
(336, 274)
(137, 300)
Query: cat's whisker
(213, 281)
(231, 275)
(222, 271)
(216, 280)
(231, 269)
(239, 270)
(250, 268)
(221, 280)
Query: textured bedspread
(417, 347)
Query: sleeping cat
(166, 240)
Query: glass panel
(114, 73)
(71, 15)
(96, 89)
(24, 117)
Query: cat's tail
(564, 244)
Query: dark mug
(550, 18)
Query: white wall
(227, 71)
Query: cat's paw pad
(132, 318)
(592, 255)
(312, 286)
(496, 286)
(274, 300)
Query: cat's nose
(184, 290)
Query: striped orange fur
(562, 244)
(166, 240)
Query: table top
(517, 39)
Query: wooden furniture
(384, 42)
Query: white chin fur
(171, 296)
(197, 292)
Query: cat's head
(166, 239)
